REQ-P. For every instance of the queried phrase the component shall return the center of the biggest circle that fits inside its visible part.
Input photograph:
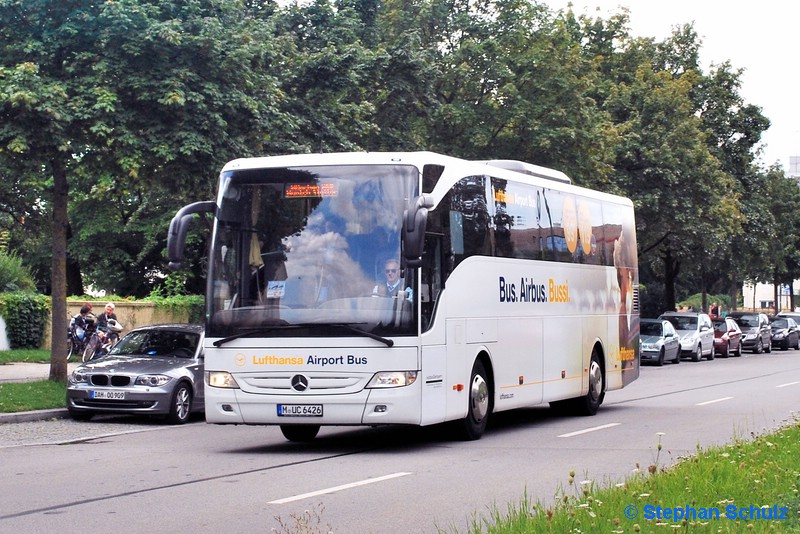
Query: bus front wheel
(300, 433)
(479, 404)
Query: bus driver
(393, 283)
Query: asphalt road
(137, 475)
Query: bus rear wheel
(589, 404)
(300, 433)
(479, 404)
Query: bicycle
(100, 343)
(78, 337)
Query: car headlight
(221, 379)
(392, 379)
(79, 377)
(649, 346)
(151, 380)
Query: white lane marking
(713, 401)
(338, 488)
(587, 430)
(787, 384)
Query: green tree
(782, 251)
(664, 165)
(133, 93)
(734, 130)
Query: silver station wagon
(153, 370)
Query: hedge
(26, 315)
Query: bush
(26, 315)
(14, 275)
(192, 305)
(695, 301)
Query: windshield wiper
(388, 342)
(265, 329)
(260, 330)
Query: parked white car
(696, 331)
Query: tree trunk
(58, 332)
(671, 269)
(74, 278)
(704, 287)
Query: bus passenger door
(518, 363)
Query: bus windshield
(312, 251)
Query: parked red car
(727, 337)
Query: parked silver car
(659, 341)
(153, 370)
(696, 331)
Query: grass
(27, 396)
(24, 355)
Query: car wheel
(738, 351)
(698, 354)
(479, 404)
(677, 356)
(768, 347)
(759, 348)
(797, 343)
(80, 416)
(181, 405)
(300, 433)
(660, 360)
(726, 352)
(711, 354)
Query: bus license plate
(300, 410)
(116, 395)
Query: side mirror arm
(179, 226)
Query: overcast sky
(762, 38)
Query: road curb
(33, 415)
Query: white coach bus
(411, 289)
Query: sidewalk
(27, 372)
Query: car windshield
(780, 323)
(650, 329)
(683, 323)
(747, 320)
(157, 343)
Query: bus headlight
(392, 379)
(221, 379)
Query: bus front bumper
(384, 406)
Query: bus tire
(479, 404)
(300, 433)
(589, 404)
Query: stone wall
(130, 314)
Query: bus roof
(508, 169)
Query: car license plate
(102, 394)
(300, 410)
